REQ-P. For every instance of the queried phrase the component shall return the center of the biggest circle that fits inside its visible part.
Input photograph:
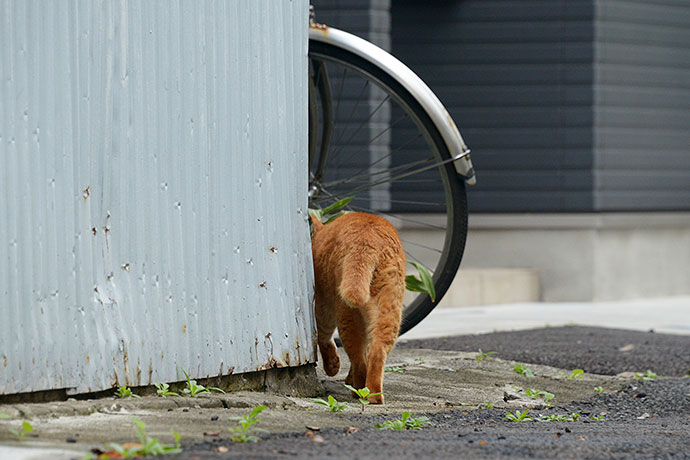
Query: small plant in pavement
(553, 418)
(599, 389)
(362, 394)
(146, 445)
(398, 370)
(518, 416)
(193, 389)
(648, 376)
(574, 417)
(578, 374)
(405, 422)
(598, 418)
(25, 429)
(489, 405)
(240, 433)
(523, 370)
(537, 394)
(332, 404)
(482, 355)
(125, 392)
(163, 390)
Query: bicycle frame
(459, 151)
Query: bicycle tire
(453, 184)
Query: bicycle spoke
(362, 177)
(361, 125)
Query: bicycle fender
(412, 83)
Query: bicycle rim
(380, 147)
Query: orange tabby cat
(359, 271)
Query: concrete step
(490, 286)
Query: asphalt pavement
(436, 375)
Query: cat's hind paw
(377, 399)
(331, 366)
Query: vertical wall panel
(642, 105)
(153, 176)
(517, 78)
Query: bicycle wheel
(370, 139)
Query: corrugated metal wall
(516, 76)
(642, 105)
(153, 211)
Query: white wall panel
(153, 183)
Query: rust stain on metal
(231, 370)
(184, 328)
(4, 361)
(150, 371)
(263, 284)
(320, 27)
(88, 358)
(86, 192)
(125, 267)
(273, 249)
(125, 356)
(94, 230)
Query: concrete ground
(670, 315)
(419, 381)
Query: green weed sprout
(332, 404)
(599, 389)
(332, 212)
(240, 433)
(553, 418)
(536, 394)
(4, 416)
(397, 370)
(648, 376)
(598, 418)
(149, 445)
(163, 390)
(406, 422)
(522, 369)
(578, 374)
(124, 392)
(489, 405)
(482, 355)
(574, 417)
(193, 389)
(25, 429)
(518, 416)
(362, 394)
(424, 283)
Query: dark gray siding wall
(368, 19)
(516, 76)
(642, 105)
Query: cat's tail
(358, 270)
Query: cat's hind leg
(352, 333)
(325, 326)
(383, 328)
